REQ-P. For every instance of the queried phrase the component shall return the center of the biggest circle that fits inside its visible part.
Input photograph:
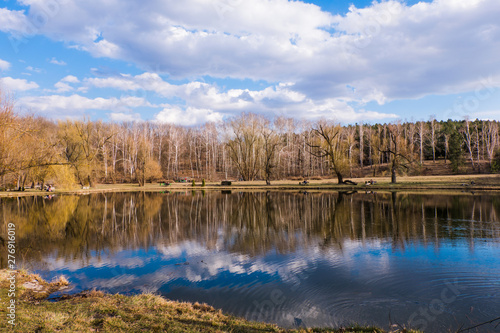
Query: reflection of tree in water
(249, 223)
(74, 226)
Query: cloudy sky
(192, 61)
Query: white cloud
(207, 102)
(9, 83)
(12, 21)
(430, 48)
(187, 117)
(57, 105)
(64, 84)
(124, 117)
(62, 87)
(57, 62)
(70, 79)
(384, 52)
(34, 69)
(122, 82)
(4, 65)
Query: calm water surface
(295, 259)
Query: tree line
(36, 150)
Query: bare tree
(243, 143)
(396, 148)
(350, 133)
(270, 142)
(421, 138)
(82, 141)
(468, 140)
(434, 127)
(490, 131)
(329, 143)
(361, 144)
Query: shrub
(495, 163)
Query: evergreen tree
(455, 146)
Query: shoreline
(460, 183)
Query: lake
(305, 259)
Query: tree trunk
(91, 181)
(393, 174)
(143, 173)
(361, 146)
(24, 182)
(340, 178)
(141, 177)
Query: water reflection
(292, 258)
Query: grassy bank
(445, 183)
(95, 311)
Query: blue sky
(193, 61)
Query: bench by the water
(225, 183)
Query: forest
(69, 153)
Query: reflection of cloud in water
(215, 262)
(126, 259)
(191, 261)
(371, 252)
(114, 282)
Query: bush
(456, 154)
(62, 176)
(193, 183)
(495, 163)
(152, 171)
(203, 182)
